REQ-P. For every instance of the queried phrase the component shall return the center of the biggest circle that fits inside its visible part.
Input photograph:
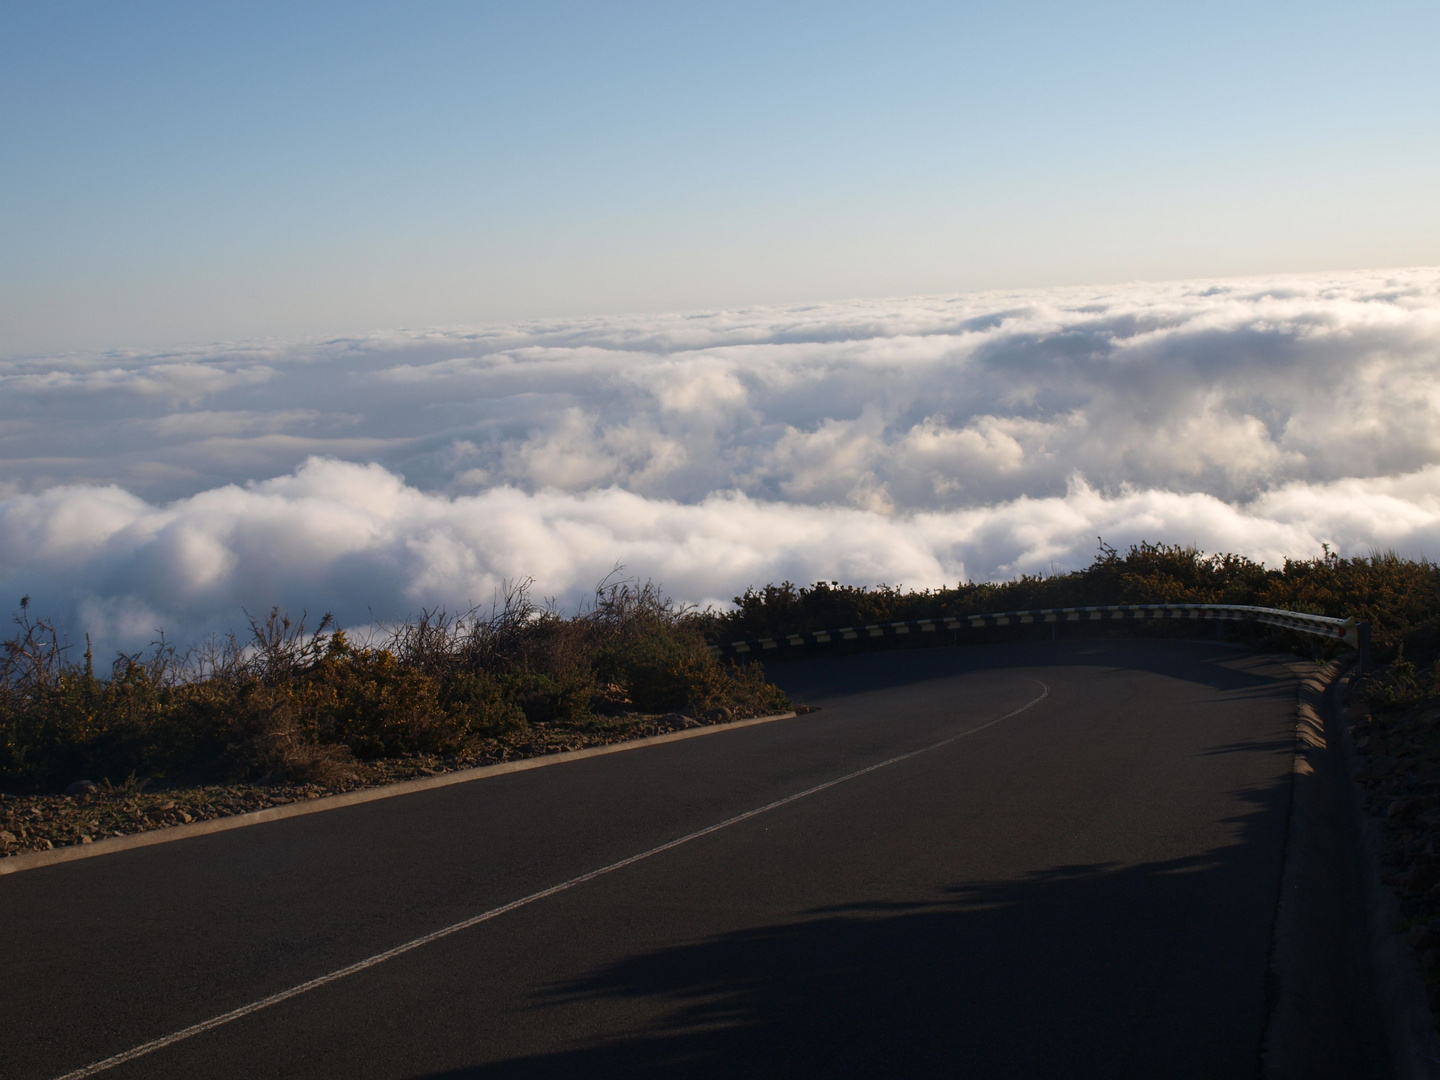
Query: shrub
(298, 705)
(1400, 598)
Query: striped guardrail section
(1347, 630)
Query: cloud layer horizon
(914, 441)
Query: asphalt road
(1086, 888)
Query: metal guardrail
(1347, 630)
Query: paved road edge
(37, 859)
(1346, 994)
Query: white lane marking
(476, 920)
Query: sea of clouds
(917, 441)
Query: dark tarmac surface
(1087, 888)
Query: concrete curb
(36, 859)
(1326, 1020)
(1346, 995)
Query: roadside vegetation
(1395, 721)
(296, 705)
(1399, 597)
(292, 711)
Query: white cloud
(357, 540)
(912, 440)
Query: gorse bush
(297, 704)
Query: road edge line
(34, 860)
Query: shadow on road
(1222, 667)
(1102, 970)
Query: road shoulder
(1347, 997)
(37, 859)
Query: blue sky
(370, 308)
(182, 172)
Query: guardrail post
(1362, 632)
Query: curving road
(1065, 864)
